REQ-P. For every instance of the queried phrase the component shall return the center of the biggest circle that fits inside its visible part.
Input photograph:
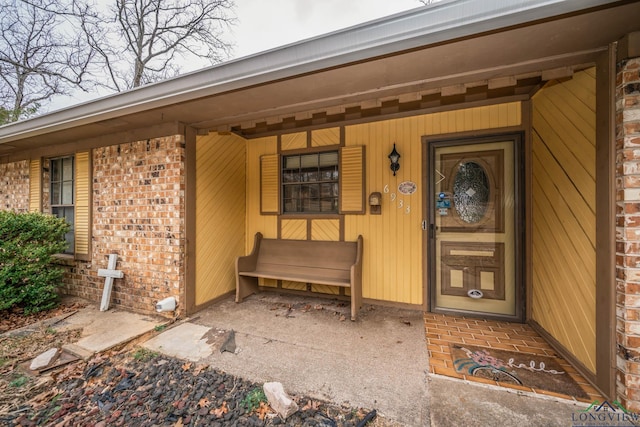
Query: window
(310, 183)
(62, 195)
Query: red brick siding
(628, 233)
(138, 213)
(14, 186)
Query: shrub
(28, 276)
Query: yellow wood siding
(269, 196)
(293, 141)
(324, 137)
(293, 229)
(266, 224)
(352, 180)
(563, 236)
(35, 186)
(325, 229)
(393, 253)
(220, 213)
(82, 204)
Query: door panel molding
(473, 259)
(481, 253)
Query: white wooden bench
(306, 261)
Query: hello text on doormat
(529, 370)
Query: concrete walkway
(370, 363)
(378, 362)
(103, 330)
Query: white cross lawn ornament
(109, 274)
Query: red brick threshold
(442, 330)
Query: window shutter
(35, 186)
(83, 206)
(269, 184)
(352, 197)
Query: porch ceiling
(509, 62)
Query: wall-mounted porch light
(394, 156)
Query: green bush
(28, 276)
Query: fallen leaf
(199, 368)
(186, 366)
(263, 410)
(178, 423)
(203, 403)
(219, 412)
(311, 405)
(45, 396)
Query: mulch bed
(142, 388)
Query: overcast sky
(266, 24)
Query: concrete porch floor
(378, 362)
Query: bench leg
(356, 301)
(245, 286)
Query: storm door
(474, 226)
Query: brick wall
(628, 233)
(14, 186)
(138, 213)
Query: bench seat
(306, 261)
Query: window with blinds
(62, 195)
(310, 183)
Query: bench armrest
(248, 262)
(246, 286)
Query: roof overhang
(439, 51)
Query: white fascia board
(424, 26)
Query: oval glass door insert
(471, 192)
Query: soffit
(512, 61)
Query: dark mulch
(142, 388)
(15, 318)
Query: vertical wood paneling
(265, 224)
(563, 191)
(393, 254)
(293, 141)
(324, 137)
(82, 224)
(220, 213)
(35, 186)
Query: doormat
(525, 369)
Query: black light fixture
(394, 156)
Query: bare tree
(40, 56)
(142, 41)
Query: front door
(474, 225)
